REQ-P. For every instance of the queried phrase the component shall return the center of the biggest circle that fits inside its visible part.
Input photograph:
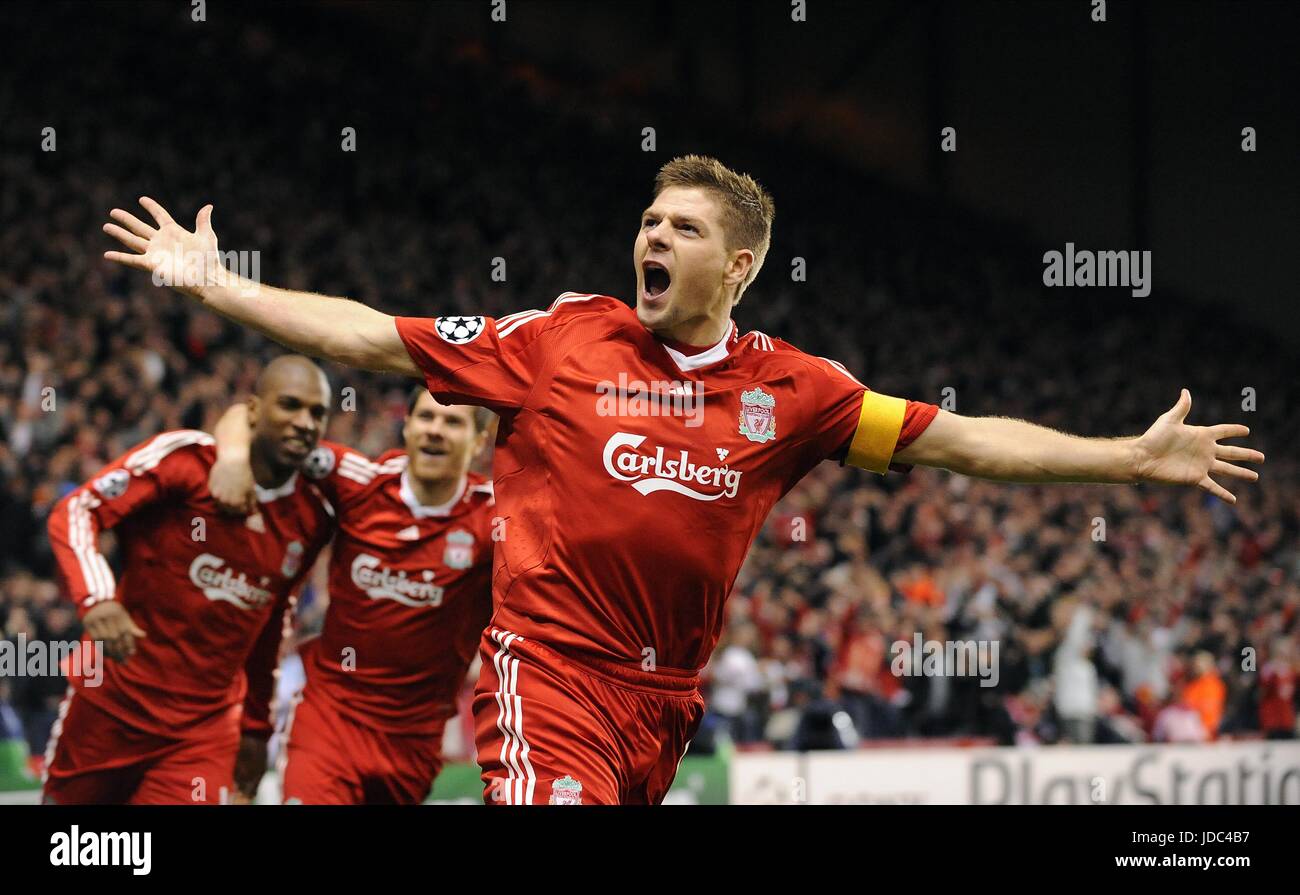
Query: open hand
(184, 260)
(1175, 453)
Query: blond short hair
(747, 208)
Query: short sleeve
(863, 428)
(343, 474)
(493, 362)
(487, 361)
(148, 473)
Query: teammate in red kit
(639, 453)
(410, 591)
(195, 621)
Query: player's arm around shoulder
(230, 480)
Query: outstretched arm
(338, 329)
(1008, 450)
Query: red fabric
(95, 758)
(859, 660)
(404, 617)
(550, 731)
(626, 532)
(332, 760)
(1277, 697)
(212, 608)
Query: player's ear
(254, 405)
(480, 442)
(737, 269)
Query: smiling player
(409, 594)
(194, 623)
(624, 533)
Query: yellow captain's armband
(877, 435)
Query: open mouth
(296, 445)
(432, 451)
(657, 278)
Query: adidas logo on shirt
(410, 533)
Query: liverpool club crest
(757, 415)
(460, 550)
(566, 791)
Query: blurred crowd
(1120, 614)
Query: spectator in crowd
(1207, 694)
(1076, 677)
(1179, 721)
(1277, 683)
(1114, 723)
(737, 680)
(823, 724)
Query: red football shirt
(410, 592)
(632, 477)
(210, 591)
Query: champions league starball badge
(459, 330)
(319, 463)
(113, 484)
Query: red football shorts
(552, 731)
(331, 759)
(95, 758)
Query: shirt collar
(266, 495)
(419, 510)
(711, 355)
